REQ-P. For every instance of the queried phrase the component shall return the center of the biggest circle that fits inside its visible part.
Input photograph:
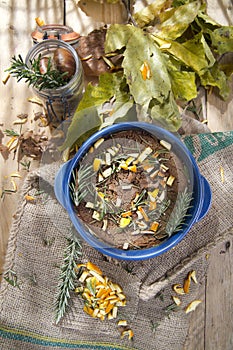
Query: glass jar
(60, 103)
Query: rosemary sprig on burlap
(11, 277)
(72, 255)
(179, 213)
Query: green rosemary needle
(11, 132)
(179, 213)
(66, 283)
(32, 75)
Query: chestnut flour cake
(125, 189)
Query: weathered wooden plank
(104, 12)
(196, 335)
(219, 300)
(219, 111)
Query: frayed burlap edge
(148, 292)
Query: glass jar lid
(55, 31)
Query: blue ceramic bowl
(201, 196)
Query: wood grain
(219, 301)
(211, 326)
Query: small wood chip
(222, 174)
(20, 121)
(107, 172)
(12, 143)
(39, 21)
(14, 185)
(96, 164)
(6, 77)
(35, 100)
(165, 144)
(170, 180)
(125, 246)
(98, 143)
(145, 153)
(122, 323)
(15, 175)
(176, 300)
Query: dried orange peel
(187, 282)
(192, 306)
(182, 290)
(102, 297)
(178, 289)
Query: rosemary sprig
(141, 200)
(154, 326)
(73, 253)
(179, 213)
(32, 75)
(11, 277)
(11, 132)
(171, 308)
(79, 186)
(26, 165)
(160, 210)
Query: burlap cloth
(35, 252)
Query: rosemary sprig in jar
(53, 78)
(66, 284)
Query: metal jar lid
(55, 31)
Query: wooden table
(211, 325)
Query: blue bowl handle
(59, 182)
(207, 198)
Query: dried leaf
(155, 92)
(222, 39)
(177, 20)
(150, 12)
